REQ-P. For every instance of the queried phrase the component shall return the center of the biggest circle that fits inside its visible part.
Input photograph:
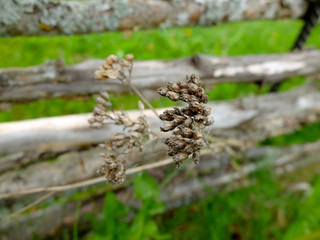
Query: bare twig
(34, 203)
(143, 99)
(83, 183)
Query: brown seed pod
(173, 87)
(173, 96)
(193, 88)
(179, 158)
(196, 157)
(183, 84)
(163, 91)
(168, 126)
(166, 116)
(129, 57)
(188, 122)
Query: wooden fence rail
(247, 121)
(54, 79)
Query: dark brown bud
(166, 116)
(179, 119)
(194, 79)
(190, 148)
(206, 110)
(196, 157)
(163, 91)
(196, 107)
(172, 151)
(168, 126)
(173, 96)
(199, 118)
(198, 144)
(204, 99)
(188, 122)
(179, 158)
(189, 98)
(182, 84)
(178, 144)
(193, 88)
(187, 111)
(173, 87)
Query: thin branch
(84, 183)
(145, 101)
(34, 203)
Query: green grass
(226, 39)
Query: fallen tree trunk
(54, 79)
(246, 123)
(40, 17)
(212, 172)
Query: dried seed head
(110, 73)
(173, 96)
(105, 95)
(193, 88)
(183, 84)
(113, 59)
(194, 79)
(163, 91)
(130, 57)
(168, 126)
(125, 63)
(196, 157)
(173, 87)
(188, 122)
(179, 158)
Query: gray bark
(246, 122)
(213, 172)
(54, 79)
(39, 17)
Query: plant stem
(145, 101)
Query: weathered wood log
(54, 79)
(39, 17)
(212, 172)
(282, 112)
(253, 120)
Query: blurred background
(269, 202)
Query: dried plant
(121, 143)
(121, 70)
(186, 123)
(134, 131)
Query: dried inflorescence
(121, 143)
(116, 68)
(187, 123)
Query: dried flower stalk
(186, 123)
(122, 70)
(121, 143)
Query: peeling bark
(40, 17)
(54, 79)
